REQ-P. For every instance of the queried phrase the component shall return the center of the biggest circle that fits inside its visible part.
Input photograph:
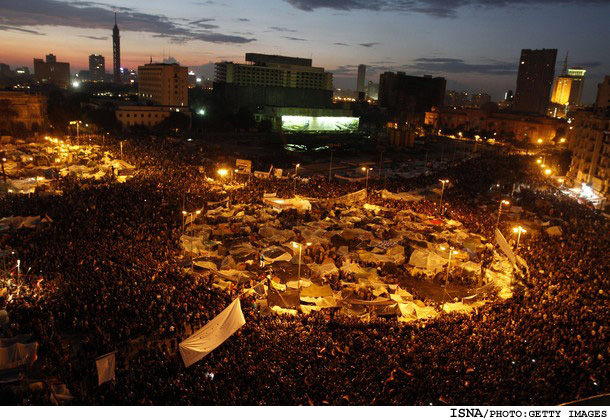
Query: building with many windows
(97, 67)
(26, 110)
(275, 71)
(534, 81)
(163, 84)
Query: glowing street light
(451, 251)
(519, 230)
(539, 141)
(443, 182)
(548, 171)
(367, 170)
(539, 161)
(300, 247)
(500, 211)
(222, 172)
(77, 123)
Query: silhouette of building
(578, 82)
(400, 93)
(97, 67)
(116, 52)
(360, 81)
(52, 71)
(603, 94)
(534, 80)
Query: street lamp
(500, 211)
(451, 251)
(300, 246)
(296, 171)
(519, 230)
(184, 213)
(547, 171)
(222, 172)
(442, 181)
(78, 123)
(367, 170)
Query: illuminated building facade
(534, 81)
(589, 141)
(578, 82)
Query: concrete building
(163, 84)
(274, 71)
(589, 141)
(578, 82)
(479, 99)
(533, 128)
(29, 110)
(603, 94)
(52, 71)
(142, 115)
(534, 81)
(401, 94)
(97, 67)
(372, 91)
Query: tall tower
(361, 77)
(534, 80)
(116, 52)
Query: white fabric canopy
(105, 367)
(215, 332)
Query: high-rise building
(562, 90)
(52, 71)
(412, 94)
(479, 99)
(97, 67)
(578, 82)
(116, 52)
(163, 84)
(534, 80)
(603, 94)
(360, 81)
(508, 95)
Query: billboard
(243, 165)
(304, 123)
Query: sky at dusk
(475, 44)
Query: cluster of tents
(372, 244)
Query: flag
(213, 334)
(504, 247)
(106, 365)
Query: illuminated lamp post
(518, 230)
(300, 247)
(500, 212)
(367, 170)
(296, 172)
(451, 251)
(443, 182)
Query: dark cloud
(342, 44)
(16, 29)
(94, 15)
(453, 65)
(588, 64)
(369, 44)
(292, 38)
(203, 23)
(280, 29)
(243, 20)
(97, 38)
(437, 8)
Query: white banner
(505, 247)
(243, 165)
(215, 332)
(106, 366)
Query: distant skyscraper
(361, 77)
(534, 81)
(97, 67)
(116, 52)
(508, 95)
(578, 82)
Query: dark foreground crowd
(113, 280)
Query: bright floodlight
(222, 172)
(201, 111)
(548, 171)
(75, 84)
(505, 202)
(539, 140)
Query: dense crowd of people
(114, 280)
